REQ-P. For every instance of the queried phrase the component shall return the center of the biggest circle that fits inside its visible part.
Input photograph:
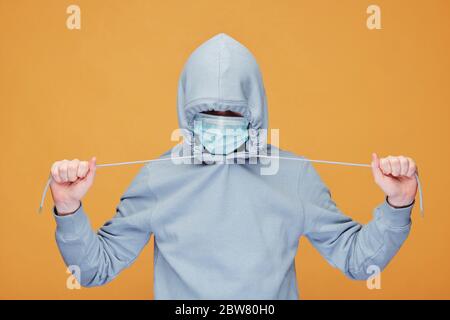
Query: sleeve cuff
(70, 225)
(396, 217)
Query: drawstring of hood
(239, 155)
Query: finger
(83, 168)
(404, 165)
(395, 166)
(412, 169)
(376, 170)
(72, 170)
(54, 172)
(62, 170)
(385, 166)
(92, 167)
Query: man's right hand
(71, 179)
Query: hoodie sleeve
(101, 255)
(344, 243)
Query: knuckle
(404, 165)
(54, 170)
(81, 171)
(73, 165)
(54, 174)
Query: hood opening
(222, 74)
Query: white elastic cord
(259, 156)
(351, 164)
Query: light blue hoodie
(225, 231)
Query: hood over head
(222, 74)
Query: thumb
(92, 168)
(377, 174)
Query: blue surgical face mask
(220, 135)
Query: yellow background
(336, 90)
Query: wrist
(399, 202)
(66, 208)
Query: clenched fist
(71, 179)
(396, 177)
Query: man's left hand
(396, 177)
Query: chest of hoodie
(225, 203)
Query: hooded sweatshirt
(226, 231)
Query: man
(226, 231)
